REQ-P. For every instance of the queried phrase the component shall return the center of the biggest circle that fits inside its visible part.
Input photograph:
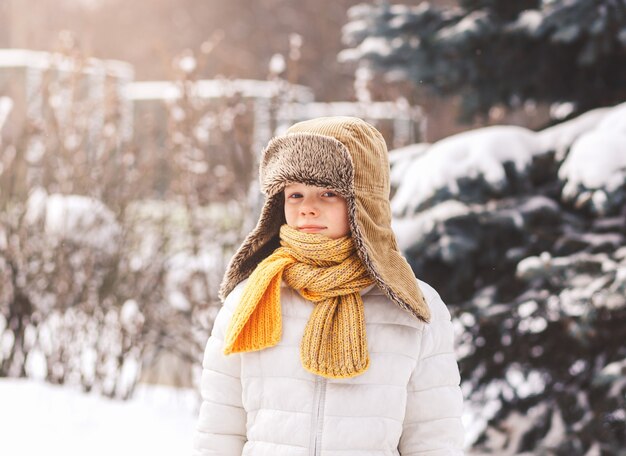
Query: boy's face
(317, 210)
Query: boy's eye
(294, 195)
(329, 194)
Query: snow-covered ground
(41, 419)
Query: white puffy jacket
(265, 403)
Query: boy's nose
(308, 209)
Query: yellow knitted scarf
(327, 272)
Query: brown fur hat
(349, 156)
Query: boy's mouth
(311, 228)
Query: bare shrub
(110, 249)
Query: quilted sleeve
(221, 426)
(432, 424)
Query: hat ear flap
(257, 246)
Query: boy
(327, 345)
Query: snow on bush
(400, 159)
(83, 220)
(473, 154)
(560, 137)
(591, 147)
(594, 171)
(416, 227)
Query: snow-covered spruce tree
(498, 53)
(524, 235)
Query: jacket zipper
(317, 422)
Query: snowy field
(41, 419)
